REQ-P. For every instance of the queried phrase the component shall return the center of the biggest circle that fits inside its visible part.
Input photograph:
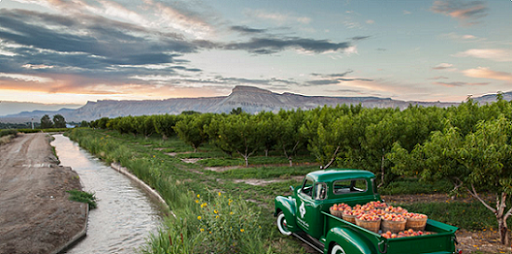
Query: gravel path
(35, 213)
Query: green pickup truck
(305, 214)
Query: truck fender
(348, 239)
(287, 206)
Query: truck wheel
(337, 250)
(281, 224)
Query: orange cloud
(458, 84)
(498, 55)
(484, 72)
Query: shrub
(83, 197)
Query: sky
(59, 51)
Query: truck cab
(305, 214)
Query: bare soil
(35, 213)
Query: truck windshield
(307, 187)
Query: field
(188, 179)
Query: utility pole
(32, 123)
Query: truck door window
(350, 186)
(307, 187)
(320, 191)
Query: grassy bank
(186, 185)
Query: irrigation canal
(125, 216)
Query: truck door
(309, 203)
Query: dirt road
(35, 213)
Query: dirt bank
(35, 213)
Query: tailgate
(442, 242)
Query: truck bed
(442, 242)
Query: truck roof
(339, 174)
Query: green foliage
(43, 130)
(85, 124)
(164, 124)
(229, 225)
(83, 197)
(290, 138)
(46, 122)
(236, 134)
(236, 111)
(409, 185)
(8, 132)
(191, 129)
(59, 121)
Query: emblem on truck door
(302, 210)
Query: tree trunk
(266, 152)
(501, 215)
(246, 158)
(504, 238)
(290, 160)
(381, 171)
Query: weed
(83, 197)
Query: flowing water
(125, 216)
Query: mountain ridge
(250, 99)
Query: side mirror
(291, 188)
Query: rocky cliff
(250, 99)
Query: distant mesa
(250, 99)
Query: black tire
(281, 224)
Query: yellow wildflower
(215, 211)
(219, 194)
(216, 217)
(202, 230)
(230, 213)
(198, 195)
(199, 217)
(242, 230)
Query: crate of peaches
(393, 222)
(369, 220)
(416, 221)
(337, 209)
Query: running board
(310, 243)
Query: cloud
(359, 38)
(459, 84)
(277, 17)
(370, 22)
(183, 20)
(333, 75)
(439, 77)
(406, 12)
(484, 72)
(333, 78)
(498, 55)
(467, 12)
(273, 45)
(463, 37)
(247, 30)
(443, 66)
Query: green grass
(83, 197)
(414, 186)
(8, 133)
(43, 130)
(179, 183)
